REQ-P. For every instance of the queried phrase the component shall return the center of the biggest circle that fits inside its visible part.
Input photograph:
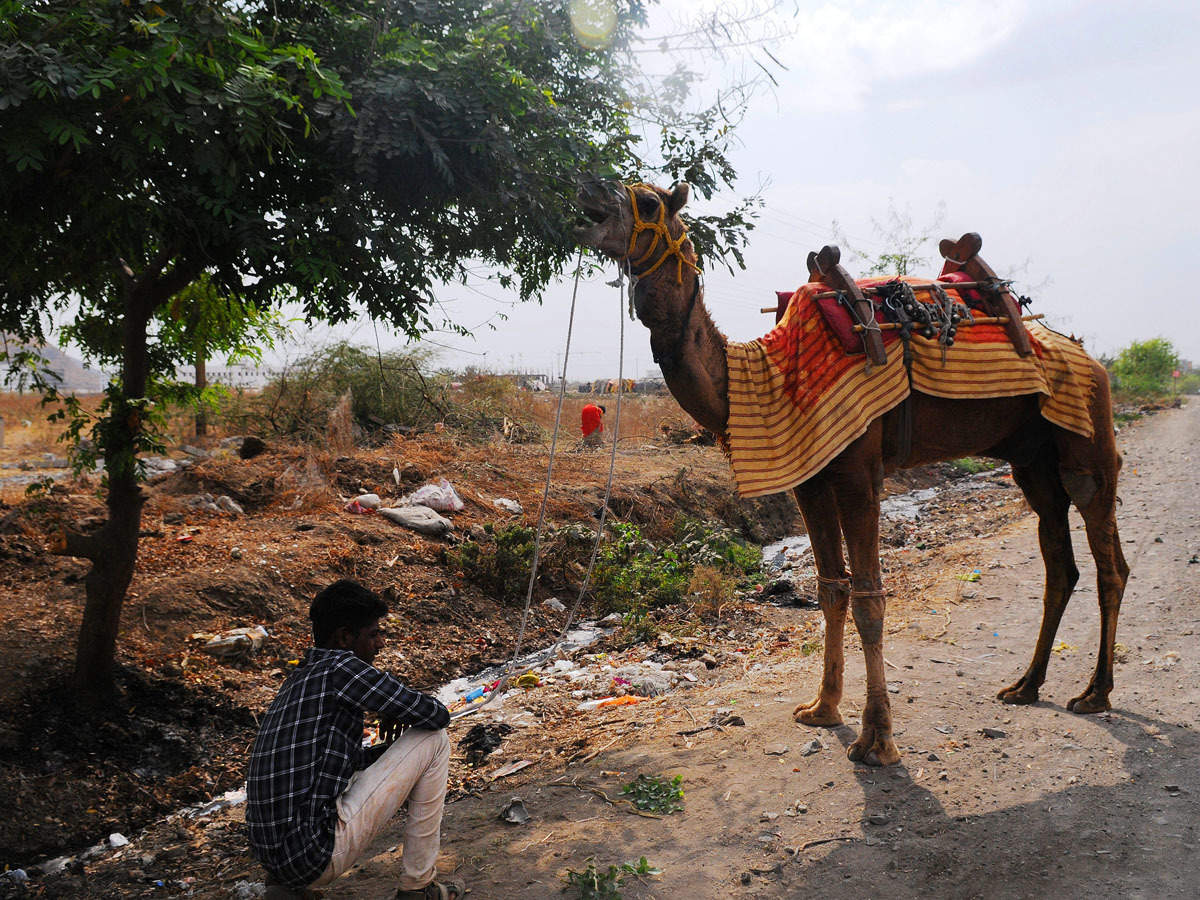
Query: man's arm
(382, 693)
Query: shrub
(712, 588)
(501, 564)
(389, 388)
(633, 571)
(1144, 368)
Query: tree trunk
(113, 549)
(201, 384)
(112, 570)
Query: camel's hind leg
(1089, 473)
(833, 594)
(1044, 490)
(1100, 520)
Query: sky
(1066, 133)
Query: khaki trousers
(413, 768)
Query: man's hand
(389, 730)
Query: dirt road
(1099, 806)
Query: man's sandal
(445, 890)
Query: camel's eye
(647, 206)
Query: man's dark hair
(602, 409)
(344, 603)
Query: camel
(1052, 466)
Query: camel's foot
(1090, 701)
(873, 749)
(1023, 692)
(818, 713)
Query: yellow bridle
(673, 245)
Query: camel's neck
(686, 345)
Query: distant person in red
(593, 425)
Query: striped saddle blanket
(796, 399)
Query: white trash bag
(440, 496)
(421, 519)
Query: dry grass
(642, 415)
(27, 429)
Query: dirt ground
(1105, 805)
(1101, 805)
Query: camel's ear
(678, 197)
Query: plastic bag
(440, 496)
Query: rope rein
(506, 672)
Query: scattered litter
(481, 740)
(813, 746)
(363, 504)
(944, 729)
(248, 890)
(441, 497)
(606, 702)
(1166, 661)
(511, 768)
(235, 797)
(421, 519)
(515, 813)
(116, 839)
(14, 876)
(1062, 647)
(799, 808)
(528, 681)
(627, 700)
(228, 504)
(237, 643)
(202, 503)
(511, 506)
(973, 575)
(776, 750)
(554, 604)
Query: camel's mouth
(599, 206)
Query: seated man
(314, 797)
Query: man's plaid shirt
(309, 745)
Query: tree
(1145, 367)
(201, 323)
(903, 245)
(347, 155)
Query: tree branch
(75, 543)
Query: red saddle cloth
(840, 323)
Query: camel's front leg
(817, 505)
(833, 594)
(857, 492)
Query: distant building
(244, 377)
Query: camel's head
(623, 232)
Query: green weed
(593, 884)
(653, 793)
